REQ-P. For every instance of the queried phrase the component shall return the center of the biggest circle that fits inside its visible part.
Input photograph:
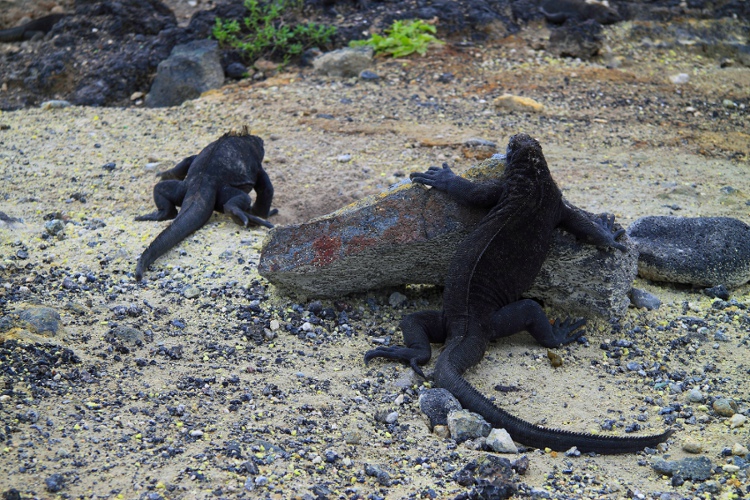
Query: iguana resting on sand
(27, 31)
(482, 301)
(219, 178)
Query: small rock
(500, 441)
(478, 149)
(274, 325)
(41, 320)
(441, 431)
(127, 334)
(464, 425)
(692, 446)
(54, 483)
(518, 103)
(729, 104)
(679, 78)
(397, 299)
(369, 76)
(236, 70)
(725, 407)
(739, 450)
(54, 104)
(737, 420)
(344, 158)
(581, 40)
(693, 469)
(110, 166)
(695, 395)
(351, 436)
(347, 62)
(391, 418)
(191, 292)
(436, 404)
(54, 227)
(717, 292)
(643, 299)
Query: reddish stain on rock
(326, 250)
(359, 243)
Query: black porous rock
(574, 39)
(436, 404)
(701, 251)
(693, 469)
(190, 70)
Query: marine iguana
(28, 30)
(218, 178)
(559, 11)
(490, 270)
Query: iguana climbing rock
(28, 30)
(482, 301)
(219, 178)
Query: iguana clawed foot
(399, 353)
(436, 177)
(567, 330)
(159, 215)
(607, 221)
(247, 219)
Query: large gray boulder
(701, 251)
(409, 235)
(190, 70)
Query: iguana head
(525, 152)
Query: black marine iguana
(219, 178)
(28, 30)
(482, 300)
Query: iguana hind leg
(167, 195)
(527, 315)
(420, 330)
(237, 204)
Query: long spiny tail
(195, 212)
(534, 435)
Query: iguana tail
(196, 210)
(448, 377)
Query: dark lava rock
(235, 70)
(386, 241)
(190, 70)
(693, 469)
(436, 404)
(560, 11)
(491, 476)
(41, 320)
(717, 292)
(55, 483)
(702, 251)
(641, 298)
(581, 40)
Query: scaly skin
(490, 271)
(27, 31)
(219, 178)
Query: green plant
(402, 38)
(264, 32)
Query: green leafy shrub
(264, 32)
(402, 38)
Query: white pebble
(737, 420)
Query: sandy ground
(624, 140)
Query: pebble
(54, 227)
(739, 450)
(344, 158)
(55, 483)
(436, 404)
(110, 166)
(725, 407)
(274, 325)
(391, 418)
(369, 76)
(397, 299)
(643, 299)
(54, 104)
(737, 420)
(191, 292)
(517, 103)
(692, 446)
(695, 396)
(196, 433)
(500, 441)
(441, 431)
(679, 78)
(464, 425)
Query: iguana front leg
(179, 171)
(420, 330)
(481, 195)
(599, 230)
